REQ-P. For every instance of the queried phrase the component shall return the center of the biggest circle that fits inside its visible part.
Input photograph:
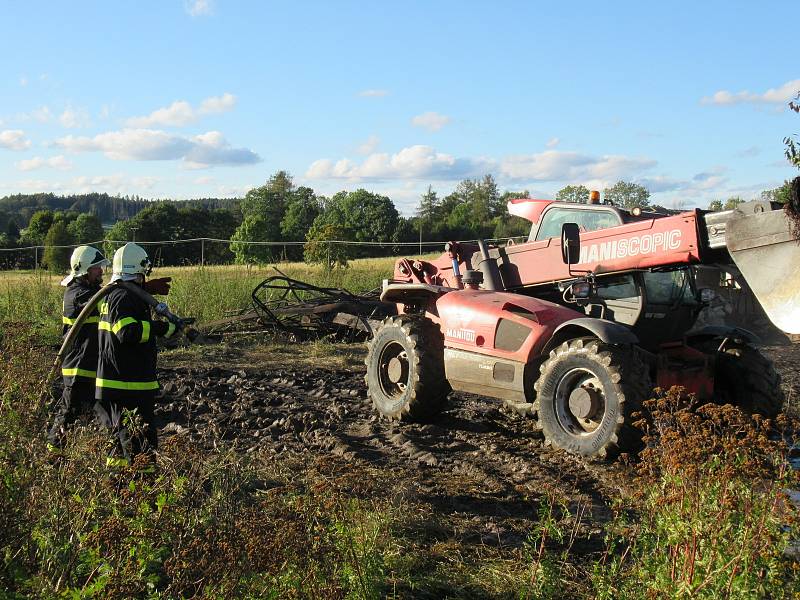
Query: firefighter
(79, 366)
(126, 384)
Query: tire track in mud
(475, 457)
(482, 470)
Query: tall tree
(57, 258)
(12, 230)
(254, 228)
(715, 205)
(318, 249)
(303, 207)
(427, 211)
(781, 194)
(428, 204)
(732, 202)
(269, 202)
(38, 227)
(86, 228)
(364, 216)
(573, 193)
(627, 195)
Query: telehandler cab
(576, 326)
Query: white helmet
(83, 258)
(129, 261)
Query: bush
(715, 519)
(57, 259)
(211, 524)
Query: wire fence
(202, 251)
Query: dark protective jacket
(81, 360)
(126, 368)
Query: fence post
(330, 265)
(36, 258)
(202, 252)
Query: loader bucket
(764, 249)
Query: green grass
(206, 293)
(709, 519)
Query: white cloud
(59, 162)
(181, 113)
(204, 180)
(233, 191)
(145, 182)
(130, 144)
(217, 104)
(661, 183)
(113, 184)
(34, 185)
(711, 182)
(41, 115)
(421, 162)
(413, 162)
(148, 144)
(431, 121)
(105, 112)
(373, 93)
(779, 95)
(14, 139)
(178, 113)
(553, 142)
(73, 118)
(369, 146)
(554, 165)
(23, 81)
(199, 8)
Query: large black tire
(405, 369)
(747, 379)
(586, 395)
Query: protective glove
(158, 286)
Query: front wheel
(586, 395)
(405, 369)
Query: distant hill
(109, 209)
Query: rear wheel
(586, 395)
(747, 379)
(405, 369)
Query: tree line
(279, 211)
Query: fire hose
(160, 309)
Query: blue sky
(201, 98)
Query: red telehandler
(575, 326)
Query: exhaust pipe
(491, 272)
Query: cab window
(587, 220)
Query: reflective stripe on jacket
(127, 340)
(81, 360)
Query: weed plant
(714, 518)
(209, 524)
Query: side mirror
(570, 243)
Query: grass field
(206, 293)
(710, 519)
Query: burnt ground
(480, 470)
(787, 362)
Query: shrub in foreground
(714, 516)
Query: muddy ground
(480, 469)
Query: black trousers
(76, 400)
(131, 436)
